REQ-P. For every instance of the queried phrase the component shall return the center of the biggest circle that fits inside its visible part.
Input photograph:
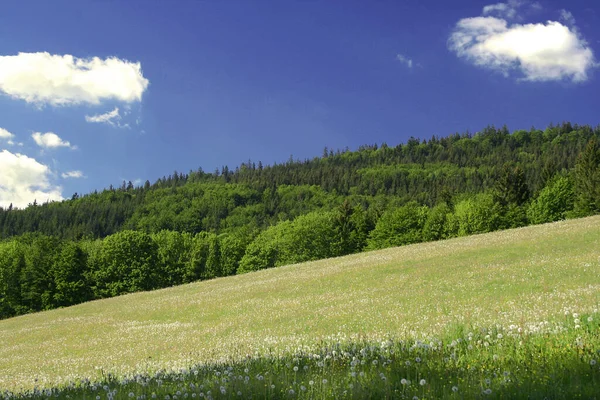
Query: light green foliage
(436, 224)
(308, 237)
(554, 201)
(232, 246)
(398, 227)
(478, 214)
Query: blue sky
(96, 92)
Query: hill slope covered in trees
(195, 226)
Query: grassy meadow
(510, 314)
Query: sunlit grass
(526, 278)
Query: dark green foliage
(68, 273)
(12, 263)
(37, 281)
(587, 180)
(511, 187)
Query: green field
(529, 280)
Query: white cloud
(567, 17)
(506, 10)
(72, 174)
(4, 134)
(50, 140)
(112, 118)
(541, 52)
(43, 78)
(405, 60)
(24, 180)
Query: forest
(197, 225)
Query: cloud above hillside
(24, 180)
(112, 118)
(50, 140)
(61, 80)
(549, 51)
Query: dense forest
(194, 226)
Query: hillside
(199, 226)
(521, 276)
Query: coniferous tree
(587, 180)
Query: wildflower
(487, 391)
(131, 395)
(455, 389)
(488, 381)
(422, 382)
(303, 388)
(576, 321)
(306, 367)
(311, 383)
(222, 390)
(239, 393)
(590, 319)
(418, 359)
(415, 398)
(592, 362)
(499, 336)
(272, 386)
(324, 381)
(295, 368)
(407, 363)
(374, 362)
(97, 397)
(292, 392)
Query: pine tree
(587, 180)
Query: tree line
(201, 226)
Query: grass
(525, 284)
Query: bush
(477, 214)
(127, 263)
(403, 225)
(309, 237)
(554, 201)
